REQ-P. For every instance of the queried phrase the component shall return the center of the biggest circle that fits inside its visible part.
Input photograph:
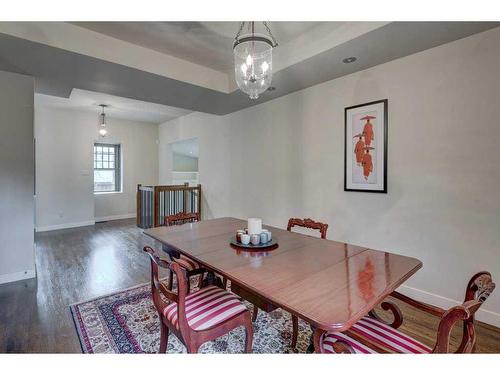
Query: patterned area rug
(127, 322)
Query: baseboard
(115, 217)
(486, 316)
(65, 226)
(84, 223)
(11, 277)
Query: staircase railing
(156, 202)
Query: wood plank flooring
(82, 263)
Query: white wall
(64, 157)
(285, 158)
(184, 163)
(213, 160)
(17, 259)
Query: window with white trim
(107, 168)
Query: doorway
(185, 155)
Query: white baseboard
(11, 277)
(84, 223)
(65, 226)
(115, 217)
(486, 316)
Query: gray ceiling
(204, 43)
(58, 71)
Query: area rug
(127, 322)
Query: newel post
(138, 206)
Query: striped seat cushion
(206, 308)
(331, 337)
(388, 338)
(186, 263)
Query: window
(107, 168)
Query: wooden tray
(268, 245)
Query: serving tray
(268, 245)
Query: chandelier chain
(242, 25)
(239, 30)
(270, 34)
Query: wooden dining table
(329, 284)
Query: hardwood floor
(82, 263)
(72, 265)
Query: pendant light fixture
(253, 59)
(102, 128)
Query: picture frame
(365, 147)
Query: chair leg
(192, 348)
(163, 338)
(295, 330)
(255, 312)
(249, 335)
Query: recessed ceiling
(204, 43)
(118, 107)
(59, 62)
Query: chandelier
(253, 59)
(102, 127)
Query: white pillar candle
(254, 226)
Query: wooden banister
(156, 202)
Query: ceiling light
(349, 60)
(253, 59)
(102, 126)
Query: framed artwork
(365, 159)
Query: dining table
(329, 284)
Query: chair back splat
(181, 218)
(307, 223)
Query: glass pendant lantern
(102, 128)
(253, 60)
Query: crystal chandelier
(253, 59)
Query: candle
(254, 226)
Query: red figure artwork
(368, 130)
(358, 149)
(365, 140)
(367, 163)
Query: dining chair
(197, 317)
(307, 223)
(192, 267)
(373, 335)
(181, 218)
(304, 223)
